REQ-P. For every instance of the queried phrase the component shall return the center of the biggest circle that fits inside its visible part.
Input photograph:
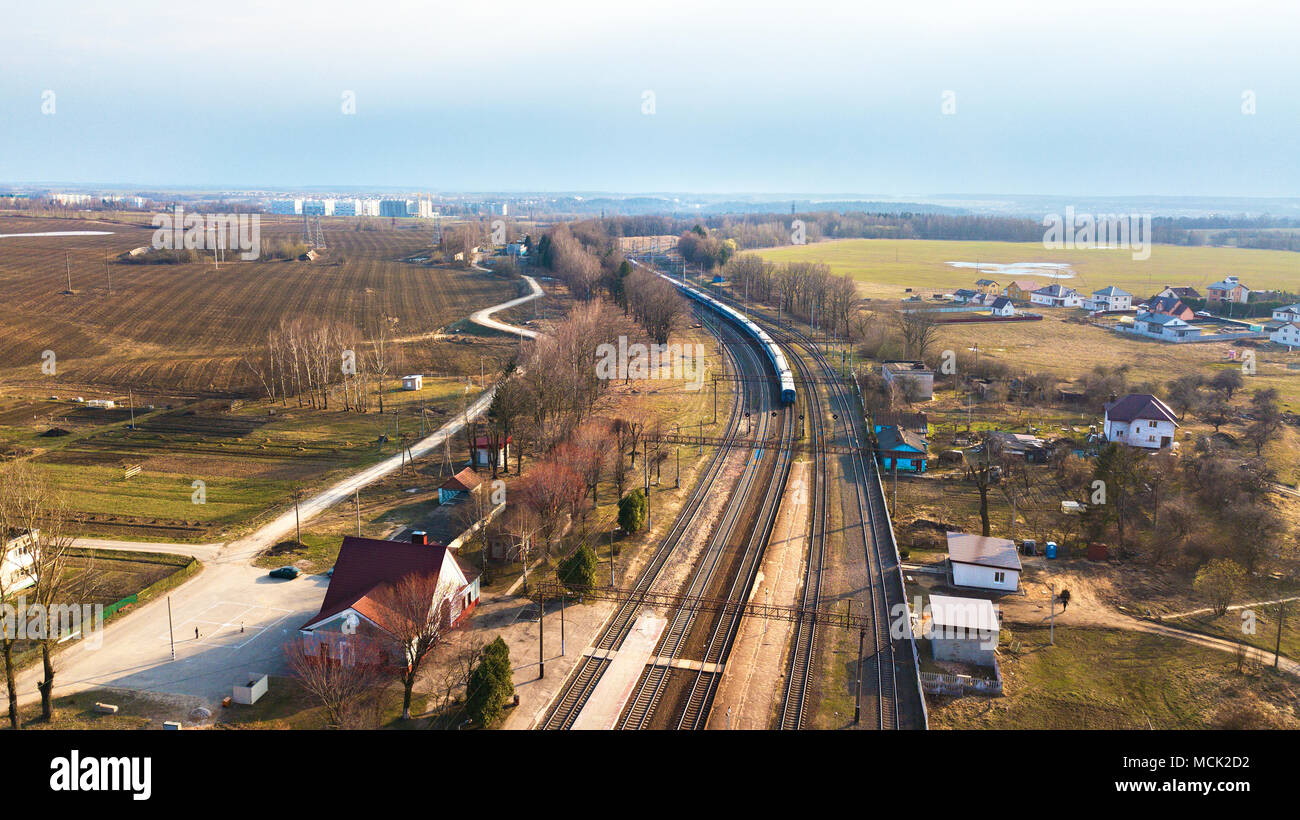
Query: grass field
(1146, 681)
(884, 267)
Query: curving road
(241, 615)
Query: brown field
(183, 328)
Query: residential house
(1162, 326)
(461, 484)
(1230, 289)
(983, 563)
(1169, 306)
(1180, 292)
(917, 422)
(1021, 290)
(1112, 298)
(913, 380)
(1288, 334)
(964, 295)
(1290, 313)
(900, 448)
(986, 286)
(1141, 420)
(1027, 446)
(963, 630)
(1056, 295)
(21, 549)
(1002, 306)
(357, 606)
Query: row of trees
(311, 359)
(805, 289)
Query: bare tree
(342, 685)
(918, 329)
(417, 612)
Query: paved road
(484, 317)
(242, 615)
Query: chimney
(419, 537)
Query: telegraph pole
(171, 635)
(358, 500)
(541, 621)
(1277, 647)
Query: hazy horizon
(1108, 100)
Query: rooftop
(976, 614)
(1140, 406)
(967, 548)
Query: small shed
(483, 450)
(963, 630)
(415, 382)
(462, 483)
(984, 563)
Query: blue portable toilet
(1051, 549)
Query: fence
(938, 683)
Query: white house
(963, 629)
(1112, 298)
(1141, 420)
(1290, 313)
(914, 379)
(1162, 326)
(1002, 306)
(983, 563)
(1057, 296)
(415, 382)
(1288, 334)
(16, 560)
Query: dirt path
(1087, 608)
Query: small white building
(1141, 420)
(1288, 334)
(963, 630)
(1002, 306)
(415, 382)
(983, 563)
(17, 559)
(102, 404)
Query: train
(773, 351)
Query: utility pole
(358, 500)
(857, 696)
(1277, 647)
(171, 635)
(67, 264)
(541, 650)
(1051, 619)
(561, 624)
(130, 400)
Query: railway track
(654, 683)
(885, 589)
(582, 683)
(804, 640)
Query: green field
(884, 267)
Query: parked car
(1205, 314)
(287, 573)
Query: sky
(1142, 97)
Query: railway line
(894, 704)
(575, 693)
(677, 687)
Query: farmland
(177, 336)
(884, 267)
(183, 329)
